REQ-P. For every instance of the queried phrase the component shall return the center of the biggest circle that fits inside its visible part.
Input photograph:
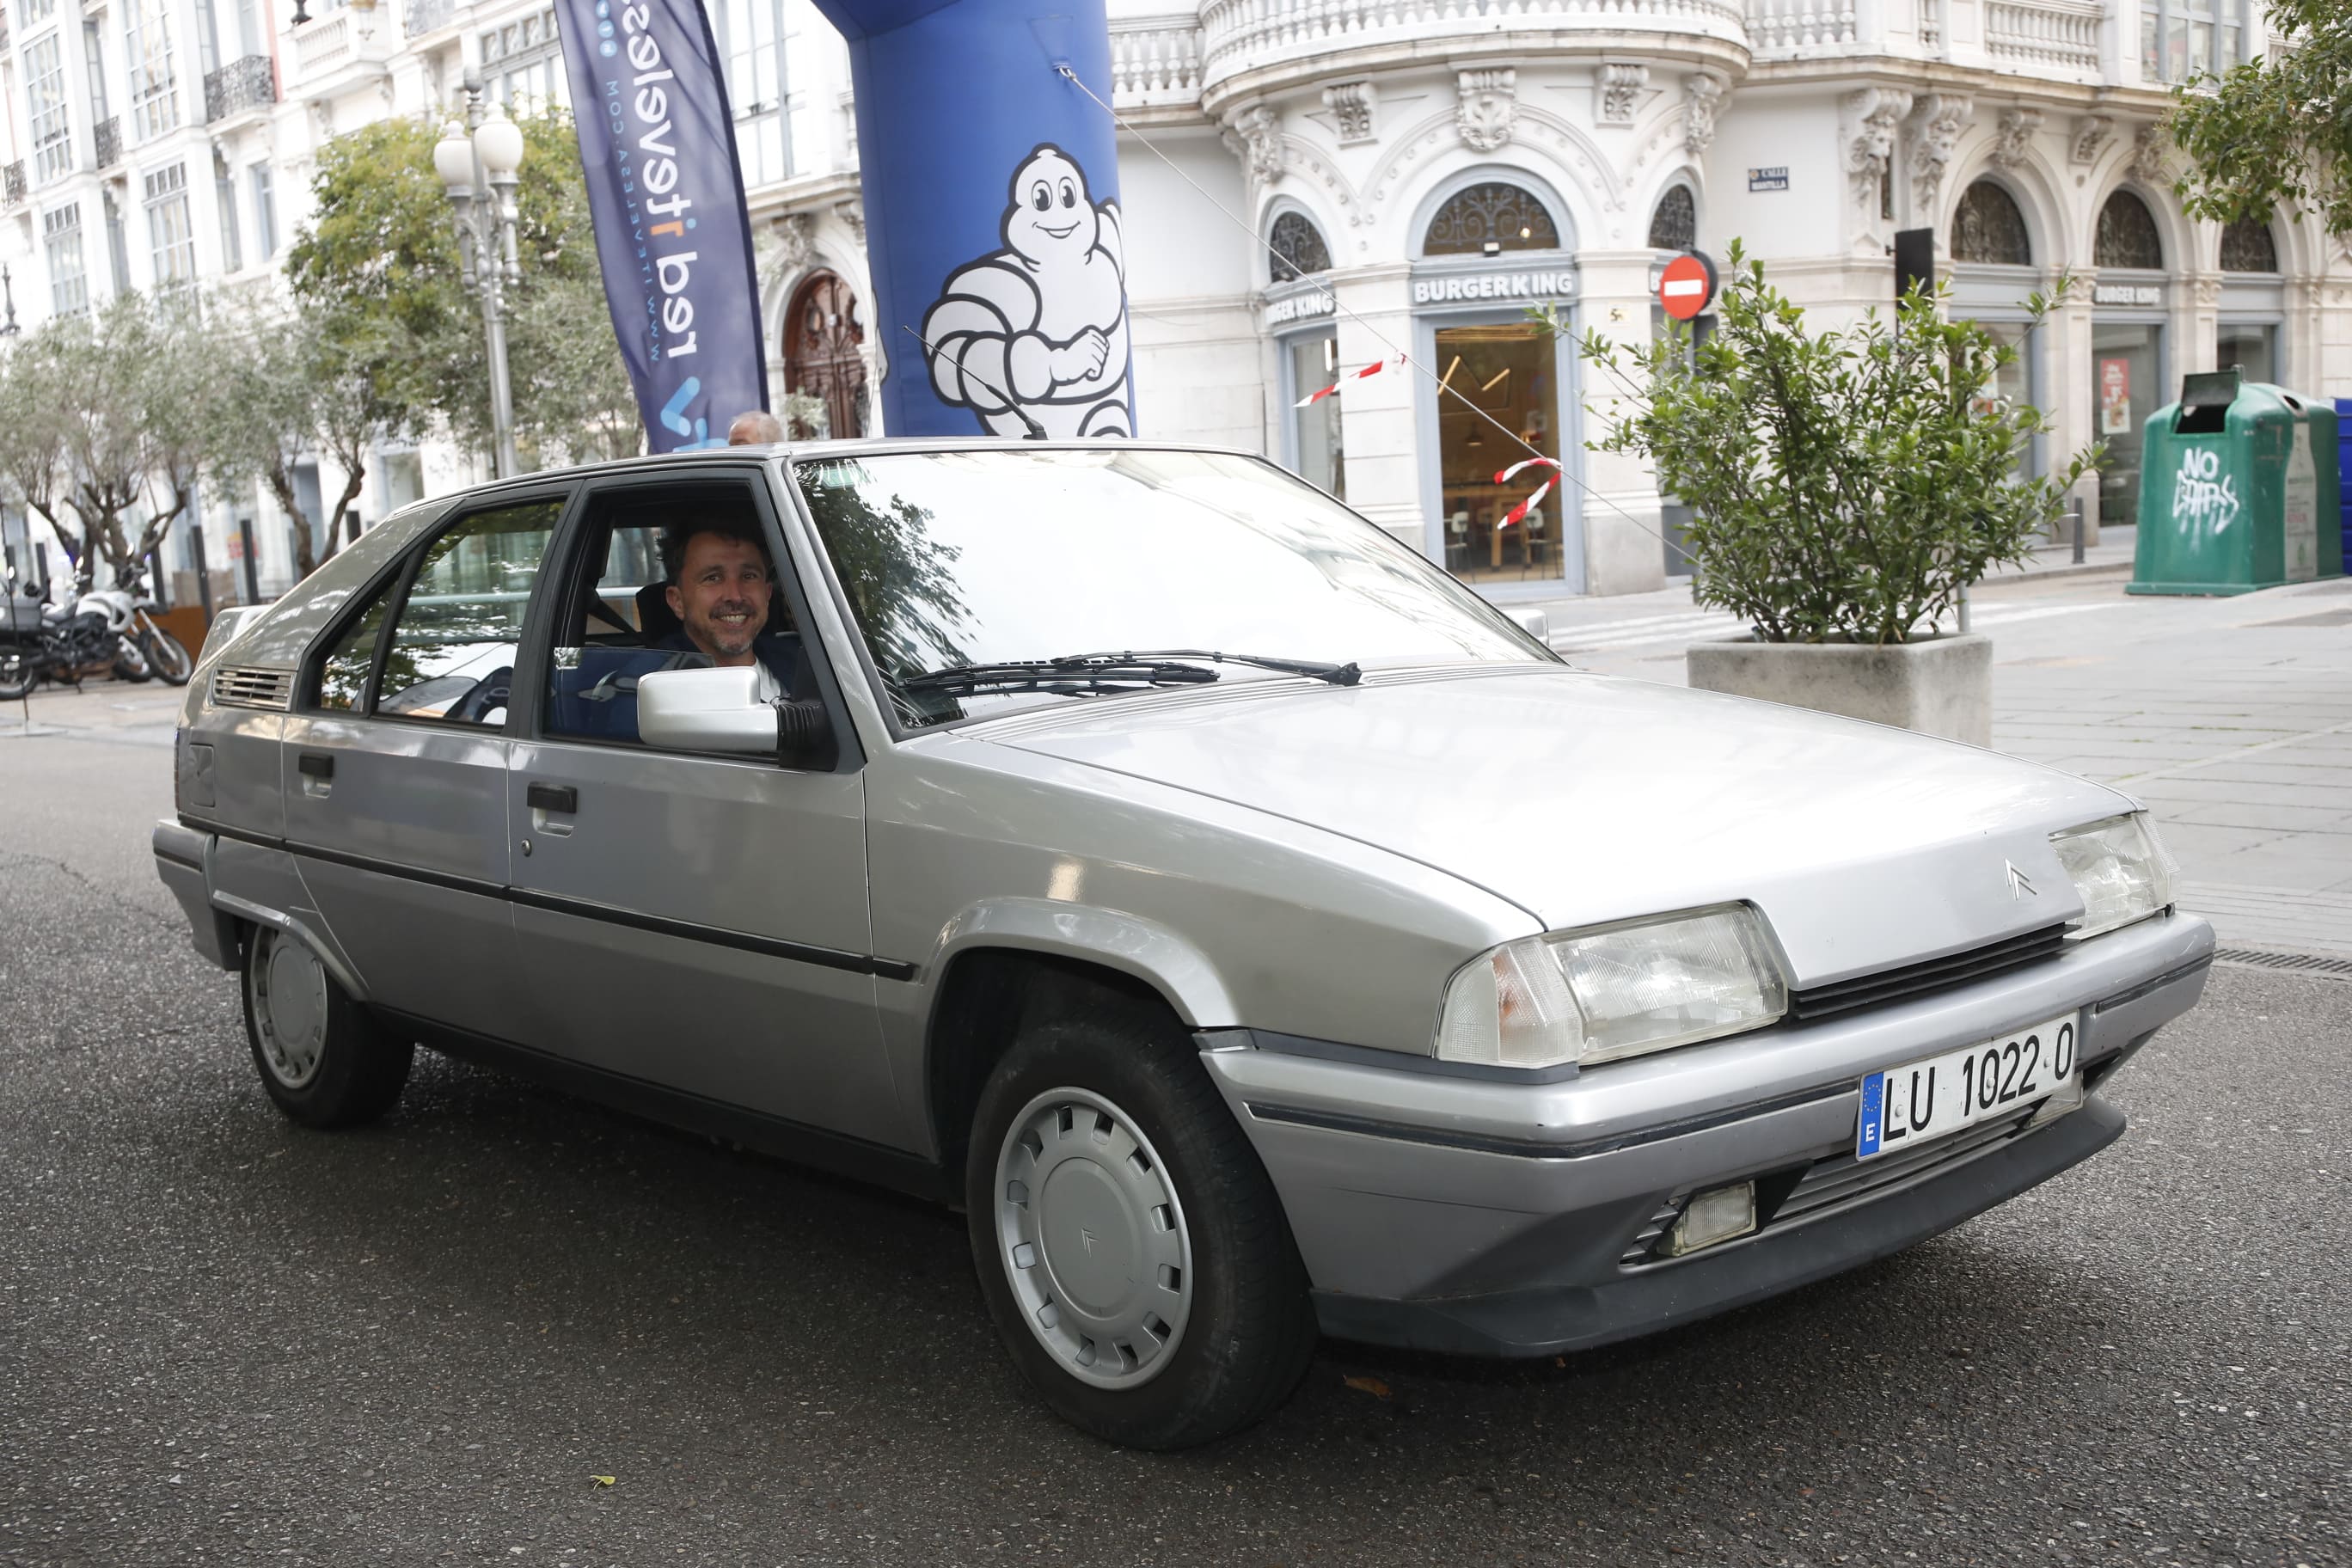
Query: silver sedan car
(1251, 929)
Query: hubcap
(289, 1009)
(1093, 1239)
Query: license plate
(1908, 1105)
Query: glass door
(2126, 367)
(1507, 372)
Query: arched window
(1299, 247)
(2127, 236)
(1988, 227)
(1675, 226)
(2248, 248)
(1484, 219)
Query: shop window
(1506, 373)
(1315, 428)
(2124, 388)
(1675, 226)
(2252, 347)
(1485, 220)
(1987, 228)
(2127, 236)
(1299, 247)
(2248, 248)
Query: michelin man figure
(1045, 318)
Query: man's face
(721, 594)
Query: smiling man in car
(720, 588)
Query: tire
(133, 667)
(322, 1056)
(17, 673)
(167, 656)
(1084, 1257)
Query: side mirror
(1535, 622)
(705, 710)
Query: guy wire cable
(1331, 294)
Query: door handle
(552, 807)
(552, 797)
(318, 771)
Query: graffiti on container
(2202, 496)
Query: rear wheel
(167, 656)
(321, 1058)
(1133, 1253)
(18, 672)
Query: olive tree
(1843, 486)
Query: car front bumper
(1487, 1217)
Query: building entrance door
(822, 339)
(2125, 388)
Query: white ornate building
(1440, 164)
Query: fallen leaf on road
(1371, 1385)
(603, 1481)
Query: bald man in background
(754, 427)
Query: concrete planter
(1942, 686)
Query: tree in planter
(299, 383)
(1843, 486)
(2277, 131)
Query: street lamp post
(8, 329)
(477, 162)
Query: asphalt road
(226, 1341)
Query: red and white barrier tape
(1374, 368)
(1520, 512)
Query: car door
(691, 922)
(394, 768)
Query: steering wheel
(490, 691)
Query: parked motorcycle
(107, 630)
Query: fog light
(1717, 1215)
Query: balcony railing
(105, 137)
(2064, 33)
(1250, 35)
(429, 17)
(238, 86)
(1155, 62)
(4, 29)
(1779, 27)
(12, 183)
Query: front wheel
(167, 656)
(323, 1060)
(1134, 1255)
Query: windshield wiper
(1112, 672)
(1337, 674)
(1066, 676)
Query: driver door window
(451, 655)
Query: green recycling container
(2235, 481)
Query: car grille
(1785, 1197)
(1842, 1178)
(1931, 974)
(247, 686)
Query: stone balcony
(1175, 64)
(423, 17)
(339, 51)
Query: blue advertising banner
(991, 214)
(657, 145)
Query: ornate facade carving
(796, 241)
(1254, 136)
(1621, 92)
(1489, 104)
(2014, 142)
(1351, 103)
(1701, 96)
(1940, 117)
(853, 214)
(2090, 133)
(2148, 163)
(1870, 119)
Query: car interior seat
(655, 619)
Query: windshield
(956, 558)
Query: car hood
(1584, 798)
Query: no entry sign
(1687, 285)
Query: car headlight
(2119, 868)
(1612, 990)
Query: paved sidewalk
(2231, 718)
